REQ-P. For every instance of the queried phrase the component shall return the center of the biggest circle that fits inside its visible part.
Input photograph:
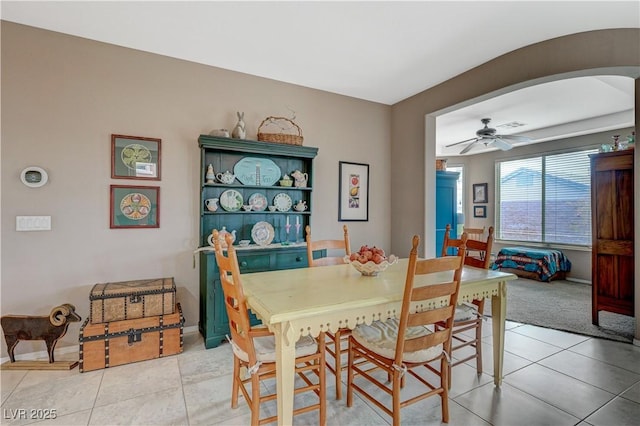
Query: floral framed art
(135, 157)
(479, 211)
(134, 206)
(353, 190)
(480, 193)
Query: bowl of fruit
(370, 261)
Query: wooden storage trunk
(122, 342)
(132, 299)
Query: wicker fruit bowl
(370, 268)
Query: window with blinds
(545, 199)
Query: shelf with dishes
(237, 185)
(251, 212)
(245, 200)
(247, 229)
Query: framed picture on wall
(479, 211)
(480, 193)
(134, 206)
(135, 157)
(353, 190)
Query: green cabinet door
(214, 323)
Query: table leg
(499, 314)
(285, 371)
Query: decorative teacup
(272, 208)
(246, 208)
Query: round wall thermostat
(34, 177)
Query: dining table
(309, 301)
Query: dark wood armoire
(613, 233)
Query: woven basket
(280, 137)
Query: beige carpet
(562, 305)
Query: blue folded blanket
(544, 262)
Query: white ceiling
(378, 51)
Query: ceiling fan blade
(502, 144)
(468, 147)
(515, 138)
(461, 142)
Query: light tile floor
(550, 378)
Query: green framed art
(135, 157)
(134, 206)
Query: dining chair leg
(398, 383)
(480, 304)
(322, 378)
(236, 383)
(479, 349)
(350, 374)
(255, 399)
(445, 368)
(337, 346)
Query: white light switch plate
(33, 223)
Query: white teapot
(300, 206)
(226, 177)
(222, 237)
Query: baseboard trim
(578, 280)
(63, 350)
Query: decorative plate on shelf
(258, 202)
(262, 233)
(231, 200)
(257, 171)
(282, 202)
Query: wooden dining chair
(469, 316)
(315, 249)
(476, 234)
(400, 346)
(254, 347)
(318, 254)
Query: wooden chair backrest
(313, 246)
(474, 233)
(450, 286)
(483, 248)
(234, 299)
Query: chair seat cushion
(465, 312)
(381, 336)
(266, 348)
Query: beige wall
(413, 120)
(62, 98)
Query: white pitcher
(211, 204)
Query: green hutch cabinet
(258, 168)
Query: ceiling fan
(488, 136)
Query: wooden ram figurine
(50, 329)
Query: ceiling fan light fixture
(511, 125)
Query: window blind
(546, 199)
